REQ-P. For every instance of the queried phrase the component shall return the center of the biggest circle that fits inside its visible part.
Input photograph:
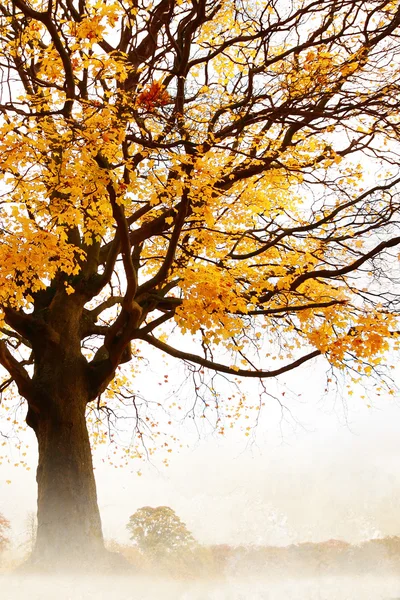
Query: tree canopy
(213, 152)
(158, 531)
(229, 168)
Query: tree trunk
(69, 532)
(69, 526)
(68, 515)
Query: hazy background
(330, 588)
(329, 469)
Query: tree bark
(69, 532)
(69, 526)
(69, 529)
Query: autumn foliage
(225, 169)
(334, 558)
(159, 531)
(152, 96)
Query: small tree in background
(159, 531)
(4, 531)
(30, 530)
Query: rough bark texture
(68, 515)
(69, 534)
(69, 526)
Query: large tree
(227, 166)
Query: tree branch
(12, 334)
(109, 303)
(17, 371)
(123, 235)
(170, 254)
(115, 350)
(149, 229)
(28, 326)
(298, 308)
(45, 18)
(156, 322)
(194, 358)
(326, 219)
(332, 274)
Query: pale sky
(336, 474)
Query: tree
(4, 529)
(227, 167)
(159, 531)
(31, 531)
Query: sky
(331, 471)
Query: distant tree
(4, 530)
(159, 531)
(31, 530)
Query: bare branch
(17, 372)
(109, 303)
(199, 360)
(331, 274)
(28, 326)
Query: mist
(367, 587)
(308, 510)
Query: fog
(251, 588)
(236, 490)
(329, 472)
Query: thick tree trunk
(69, 533)
(69, 526)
